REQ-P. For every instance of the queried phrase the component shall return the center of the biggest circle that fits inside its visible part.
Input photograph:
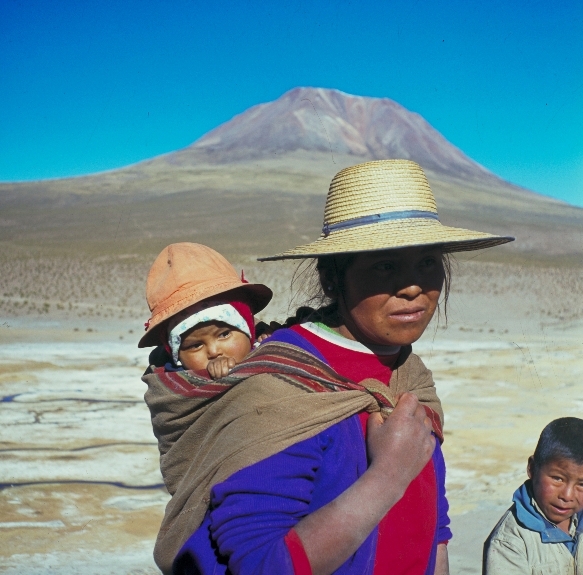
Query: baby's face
(558, 489)
(209, 340)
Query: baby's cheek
(192, 361)
(242, 349)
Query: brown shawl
(280, 395)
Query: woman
(284, 480)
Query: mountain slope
(330, 121)
(237, 188)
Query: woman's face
(389, 297)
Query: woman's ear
(328, 282)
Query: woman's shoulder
(410, 366)
(293, 336)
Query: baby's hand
(220, 366)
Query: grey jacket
(513, 549)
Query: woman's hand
(399, 447)
(442, 560)
(220, 366)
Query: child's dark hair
(560, 439)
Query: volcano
(257, 184)
(334, 123)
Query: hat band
(375, 218)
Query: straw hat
(184, 274)
(384, 205)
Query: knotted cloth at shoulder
(280, 395)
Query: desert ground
(80, 486)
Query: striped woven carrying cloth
(280, 395)
(280, 360)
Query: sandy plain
(80, 486)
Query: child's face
(210, 340)
(558, 489)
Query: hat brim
(257, 296)
(393, 235)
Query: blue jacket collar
(534, 520)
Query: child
(540, 533)
(202, 313)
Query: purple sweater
(253, 510)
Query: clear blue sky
(92, 85)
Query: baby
(202, 313)
(540, 533)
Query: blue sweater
(253, 510)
